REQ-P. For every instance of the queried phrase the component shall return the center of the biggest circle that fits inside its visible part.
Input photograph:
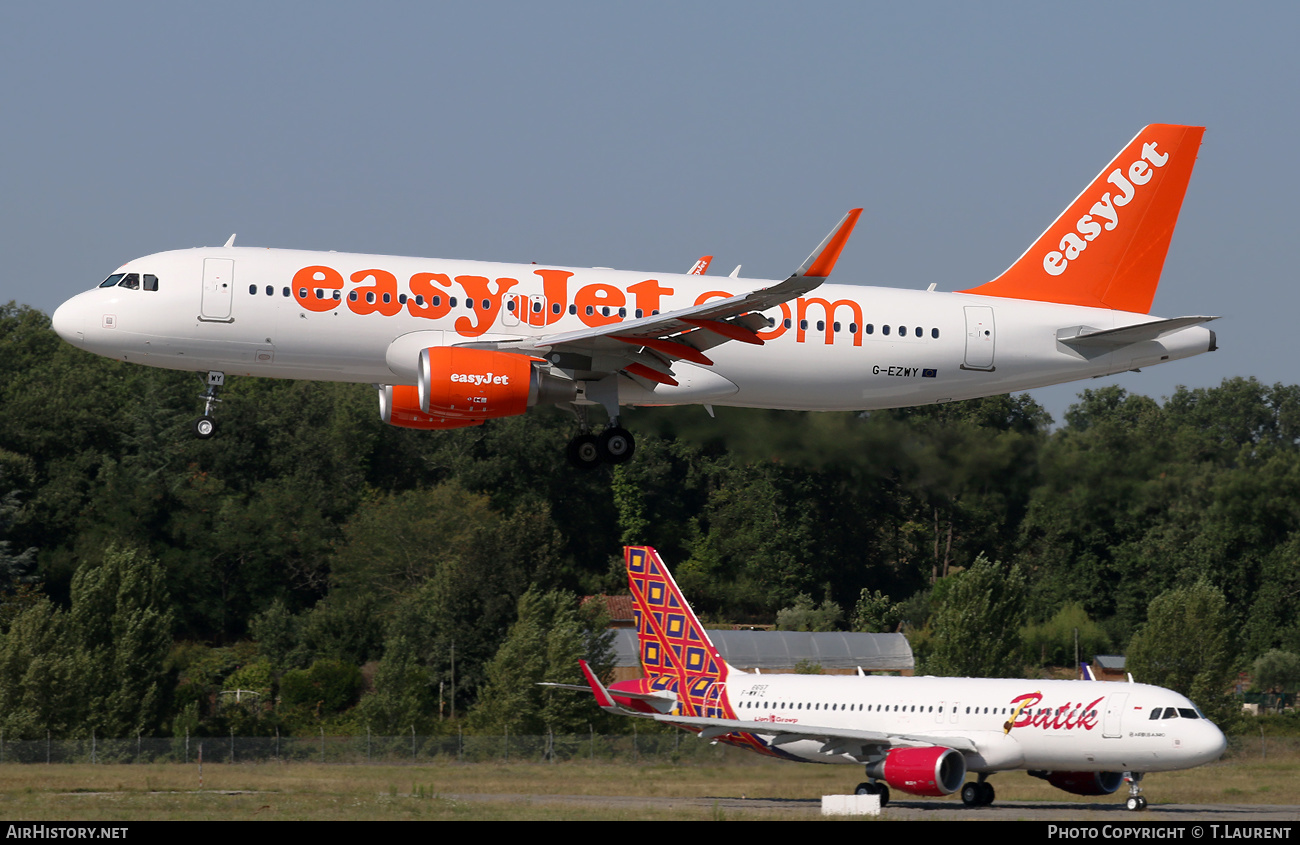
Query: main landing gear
(977, 793)
(205, 426)
(874, 788)
(614, 445)
(1136, 801)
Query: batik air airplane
(451, 343)
(916, 735)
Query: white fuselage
(1069, 726)
(264, 312)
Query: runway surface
(1112, 813)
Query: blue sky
(642, 136)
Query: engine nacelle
(479, 384)
(399, 405)
(1083, 783)
(932, 770)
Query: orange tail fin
(1108, 248)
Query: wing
(648, 347)
(854, 743)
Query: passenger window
(934, 333)
(252, 289)
(270, 291)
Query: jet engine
(399, 405)
(1083, 783)
(921, 771)
(480, 384)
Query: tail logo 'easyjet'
(1108, 248)
(1087, 229)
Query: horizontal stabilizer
(1086, 337)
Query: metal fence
(351, 750)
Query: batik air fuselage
(916, 735)
(453, 343)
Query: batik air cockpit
(453, 343)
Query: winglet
(822, 261)
(603, 698)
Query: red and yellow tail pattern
(1108, 248)
(676, 654)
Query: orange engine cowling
(931, 770)
(479, 384)
(399, 405)
(1083, 783)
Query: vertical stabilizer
(1107, 249)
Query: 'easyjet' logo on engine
(1090, 225)
(479, 378)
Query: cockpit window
(1187, 713)
(112, 280)
(150, 282)
(131, 281)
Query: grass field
(302, 791)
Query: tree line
(348, 574)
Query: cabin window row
(921, 708)
(869, 328)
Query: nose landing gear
(206, 426)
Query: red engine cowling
(1083, 783)
(399, 405)
(479, 384)
(922, 771)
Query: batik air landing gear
(871, 787)
(1136, 801)
(977, 793)
(205, 426)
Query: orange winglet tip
(727, 330)
(668, 347)
(653, 375)
(823, 262)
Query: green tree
(976, 623)
(803, 615)
(544, 644)
(1185, 646)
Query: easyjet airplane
(916, 735)
(451, 343)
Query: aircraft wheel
(971, 794)
(205, 427)
(986, 794)
(865, 789)
(583, 452)
(1134, 803)
(616, 445)
(884, 795)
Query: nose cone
(69, 322)
(1210, 744)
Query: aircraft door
(510, 310)
(980, 337)
(218, 289)
(1110, 726)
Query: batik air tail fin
(1107, 249)
(675, 652)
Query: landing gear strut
(1136, 801)
(205, 426)
(614, 445)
